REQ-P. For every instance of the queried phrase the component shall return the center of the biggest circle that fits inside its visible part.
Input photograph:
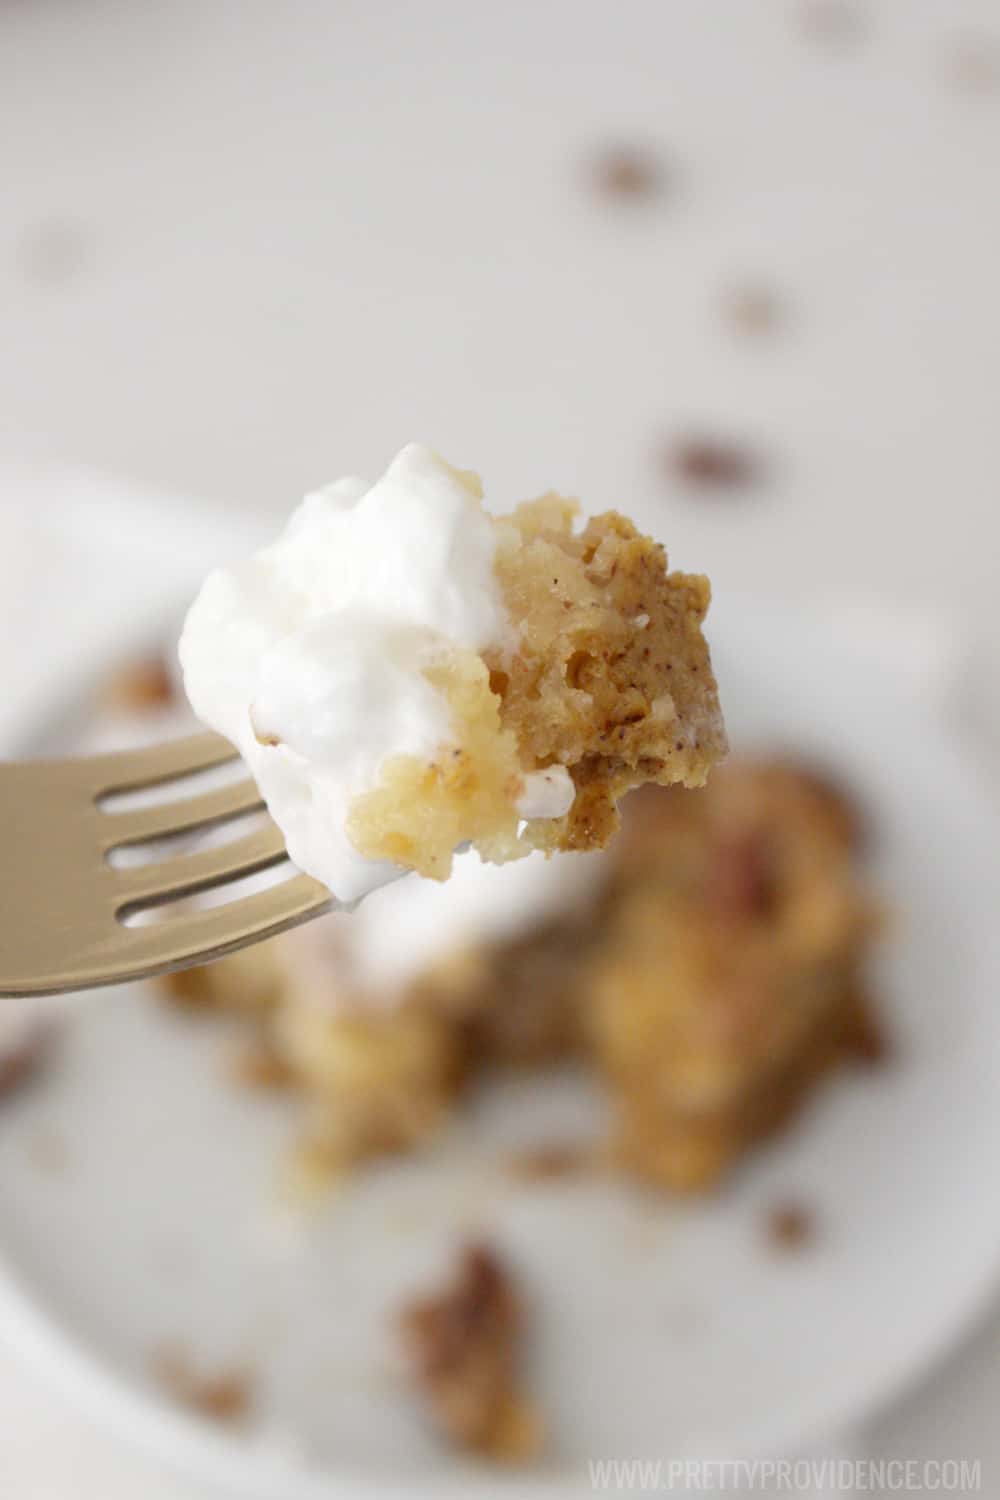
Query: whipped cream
(309, 656)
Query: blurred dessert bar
(710, 970)
(728, 978)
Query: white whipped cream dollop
(309, 656)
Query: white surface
(311, 654)
(306, 232)
(293, 235)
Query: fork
(65, 906)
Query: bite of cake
(406, 674)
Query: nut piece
(25, 1041)
(714, 462)
(628, 172)
(790, 1226)
(461, 1345)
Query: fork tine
(200, 936)
(59, 930)
(131, 770)
(143, 823)
(152, 884)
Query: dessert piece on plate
(462, 1346)
(709, 968)
(406, 674)
(728, 977)
(376, 1018)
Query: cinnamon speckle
(23, 1054)
(790, 1226)
(753, 309)
(713, 463)
(628, 173)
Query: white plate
(663, 1330)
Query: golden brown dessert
(374, 1083)
(728, 977)
(712, 982)
(462, 1346)
(372, 1078)
(376, 1074)
(609, 679)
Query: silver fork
(64, 905)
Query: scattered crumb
(628, 172)
(139, 685)
(257, 1065)
(867, 1040)
(713, 463)
(753, 309)
(462, 1347)
(53, 251)
(790, 1226)
(49, 1152)
(25, 1043)
(223, 1397)
(544, 1163)
(832, 23)
(973, 64)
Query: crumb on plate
(223, 1396)
(790, 1226)
(462, 1347)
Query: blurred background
(729, 266)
